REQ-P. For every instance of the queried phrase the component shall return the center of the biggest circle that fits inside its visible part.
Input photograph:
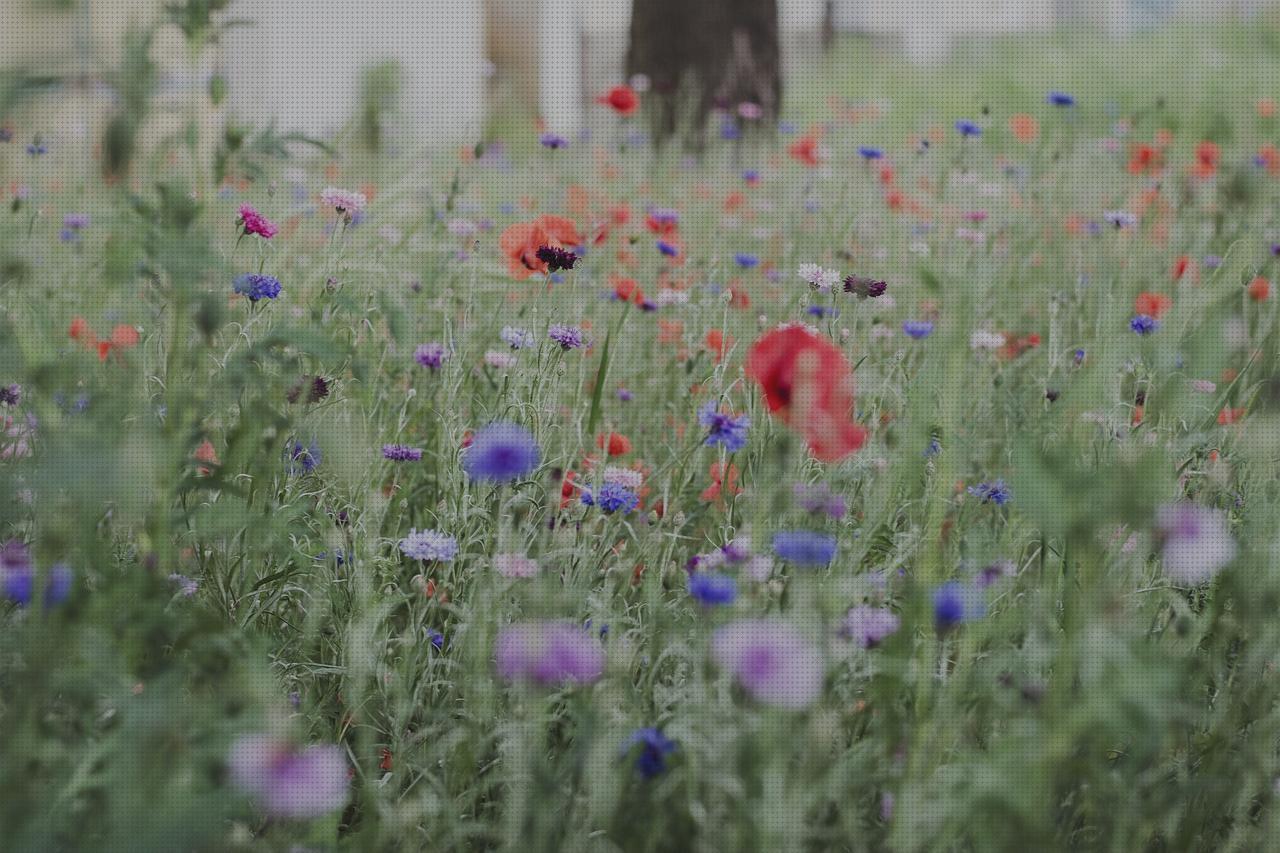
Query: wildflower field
(902, 476)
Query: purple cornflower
(431, 355)
(18, 577)
(289, 782)
(401, 453)
(654, 749)
(917, 329)
(257, 287)
(1144, 324)
(967, 128)
(667, 249)
(994, 572)
(746, 261)
(302, 459)
(804, 547)
(11, 395)
(516, 338)
(820, 498)
(613, 498)
(556, 258)
(1078, 357)
(1195, 542)
(955, 602)
(548, 653)
(864, 287)
(866, 152)
(1060, 99)
(869, 626)
(568, 337)
(771, 660)
(995, 492)
(501, 452)
(553, 141)
(625, 395)
(429, 545)
(712, 588)
(724, 429)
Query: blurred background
(105, 80)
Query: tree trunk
(701, 55)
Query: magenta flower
(771, 660)
(288, 782)
(548, 653)
(255, 223)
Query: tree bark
(700, 55)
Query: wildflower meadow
(901, 474)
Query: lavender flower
(431, 355)
(548, 653)
(568, 337)
(401, 453)
(1195, 542)
(869, 626)
(917, 329)
(516, 338)
(771, 660)
(429, 545)
(289, 782)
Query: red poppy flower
(520, 243)
(618, 444)
(1152, 304)
(1207, 154)
(718, 343)
(806, 150)
(808, 385)
(621, 99)
(1259, 289)
(724, 481)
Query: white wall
(301, 62)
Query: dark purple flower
(431, 355)
(257, 287)
(556, 258)
(568, 337)
(864, 287)
(654, 749)
(401, 453)
(501, 452)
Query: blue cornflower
(429, 545)
(1078, 357)
(435, 638)
(712, 588)
(955, 602)
(35, 149)
(1060, 99)
(804, 547)
(18, 576)
(996, 492)
(934, 448)
(1144, 324)
(821, 311)
(868, 153)
(256, 286)
(751, 176)
(746, 261)
(917, 329)
(302, 459)
(667, 249)
(967, 128)
(730, 131)
(501, 453)
(613, 498)
(654, 749)
(568, 337)
(724, 429)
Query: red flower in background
(806, 150)
(521, 242)
(808, 385)
(623, 100)
(614, 444)
(1152, 304)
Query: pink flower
(771, 660)
(289, 782)
(346, 202)
(256, 223)
(515, 566)
(548, 653)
